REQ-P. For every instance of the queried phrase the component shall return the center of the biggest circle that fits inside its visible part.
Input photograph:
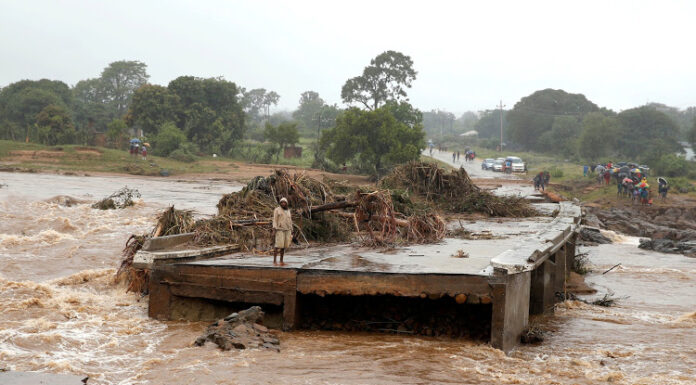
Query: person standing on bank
(282, 229)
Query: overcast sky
(468, 54)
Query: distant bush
(681, 185)
(254, 152)
(168, 139)
(556, 172)
(673, 165)
(182, 156)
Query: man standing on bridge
(282, 229)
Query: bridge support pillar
(510, 308)
(542, 288)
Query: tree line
(571, 126)
(379, 128)
(192, 115)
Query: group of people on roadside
(469, 156)
(138, 149)
(631, 181)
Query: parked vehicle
(515, 165)
(487, 164)
(498, 165)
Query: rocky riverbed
(665, 229)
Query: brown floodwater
(60, 310)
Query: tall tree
(257, 102)
(120, 80)
(598, 136)
(385, 79)
(534, 115)
(282, 135)
(488, 126)
(371, 140)
(647, 133)
(561, 139)
(54, 125)
(91, 111)
(313, 114)
(310, 105)
(151, 107)
(207, 111)
(438, 122)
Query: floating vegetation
(119, 200)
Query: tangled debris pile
(384, 217)
(172, 222)
(119, 200)
(136, 280)
(454, 191)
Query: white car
(498, 165)
(516, 164)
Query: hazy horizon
(468, 56)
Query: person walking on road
(282, 230)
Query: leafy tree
(438, 123)
(151, 107)
(99, 101)
(598, 136)
(117, 133)
(168, 139)
(534, 115)
(466, 122)
(405, 113)
(21, 102)
(209, 112)
(488, 126)
(372, 140)
(54, 125)
(672, 165)
(561, 139)
(89, 105)
(282, 135)
(257, 102)
(385, 79)
(120, 80)
(647, 133)
(309, 109)
(691, 136)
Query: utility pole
(501, 124)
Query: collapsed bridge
(492, 284)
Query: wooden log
(327, 207)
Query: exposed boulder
(243, 330)
(591, 237)
(687, 248)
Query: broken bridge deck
(517, 269)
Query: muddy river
(61, 312)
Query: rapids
(60, 310)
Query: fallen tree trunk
(380, 218)
(327, 207)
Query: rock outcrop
(670, 229)
(243, 330)
(591, 237)
(687, 248)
